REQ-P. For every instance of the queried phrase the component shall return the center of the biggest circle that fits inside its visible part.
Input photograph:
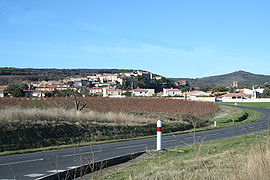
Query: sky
(176, 38)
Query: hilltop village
(127, 84)
(100, 84)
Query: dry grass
(239, 158)
(62, 115)
(257, 164)
(25, 128)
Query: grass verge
(246, 157)
(252, 104)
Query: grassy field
(253, 104)
(246, 157)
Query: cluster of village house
(98, 84)
(106, 85)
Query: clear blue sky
(181, 38)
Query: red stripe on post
(158, 129)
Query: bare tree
(77, 103)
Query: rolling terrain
(242, 77)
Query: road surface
(40, 164)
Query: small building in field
(33, 93)
(2, 88)
(171, 92)
(142, 92)
(111, 92)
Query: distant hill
(242, 77)
(17, 75)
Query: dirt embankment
(24, 135)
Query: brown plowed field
(151, 105)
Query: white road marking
(56, 171)
(77, 154)
(73, 167)
(126, 147)
(34, 175)
(213, 134)
(20, 162)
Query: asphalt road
(40, 164)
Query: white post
(159, 125)
(215, 123)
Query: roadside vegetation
(252, 104)
(51, 123)
(230, 116)
(246, 157)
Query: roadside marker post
(159, 126)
